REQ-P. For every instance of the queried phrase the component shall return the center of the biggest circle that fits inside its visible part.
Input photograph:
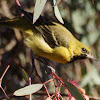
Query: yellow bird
(49, 39)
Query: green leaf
(75, 92)
(39, 5)
(28, 90)
(57, 12)
(24, 74)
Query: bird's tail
(25, 22)
(18, 22)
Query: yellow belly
(41, 48)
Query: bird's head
(82, 52)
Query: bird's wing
(42, 25)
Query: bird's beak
(90, 56)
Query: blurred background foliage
(81, 17)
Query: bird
(49, 39)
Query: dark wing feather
(42, 26)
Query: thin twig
(2, 79)
(30, 84)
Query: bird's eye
(84, 50)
